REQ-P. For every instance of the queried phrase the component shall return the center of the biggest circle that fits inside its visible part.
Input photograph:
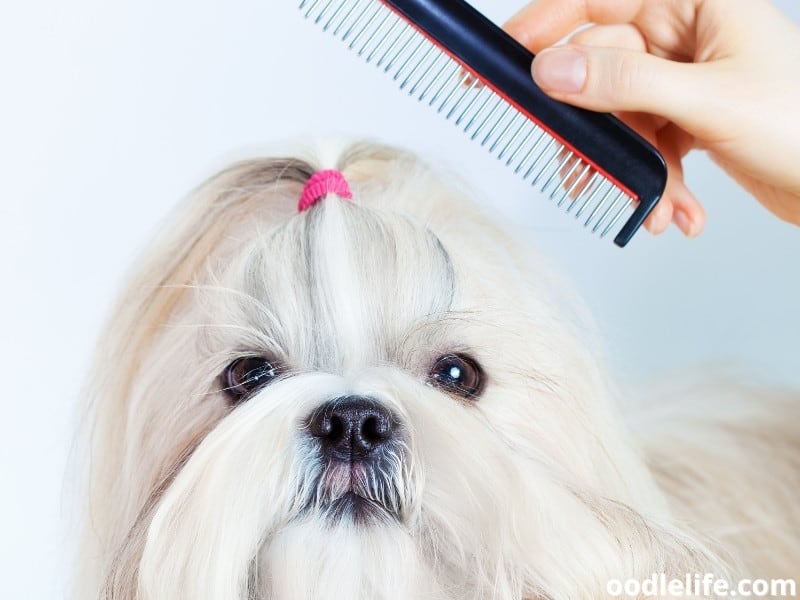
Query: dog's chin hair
(315, 559)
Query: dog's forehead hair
(345, 284)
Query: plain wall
(112, 111)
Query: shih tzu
(384, 396)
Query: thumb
(619, 80)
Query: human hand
(718, 75)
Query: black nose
(351, 428)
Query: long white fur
(538, 490)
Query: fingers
(677, 203)
(618, 79)
(687, 213)
(625, 36)
(544, 22)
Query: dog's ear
(253, 193)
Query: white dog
(386, 398)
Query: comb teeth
(430, 74)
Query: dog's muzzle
(361, 459)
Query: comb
(451, 57)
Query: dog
(385, 396)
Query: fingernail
(560, 70)
(684, 223)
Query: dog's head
(383, 398)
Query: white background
(112, 111)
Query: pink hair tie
(320, 185)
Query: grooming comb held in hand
(448, 55)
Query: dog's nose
(352, 427)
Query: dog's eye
(457, 374)
(245, 375)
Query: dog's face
(369, 399)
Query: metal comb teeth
(376, 32)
